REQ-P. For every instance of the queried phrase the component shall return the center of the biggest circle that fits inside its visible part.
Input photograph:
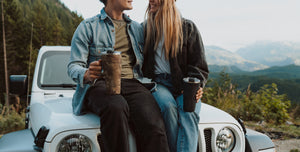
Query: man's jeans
(135, 106)
(182, 127)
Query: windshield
(53, 71)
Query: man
(113, 30)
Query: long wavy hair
(165, 23)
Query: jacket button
(112, 30)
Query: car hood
(56, 114)
(210, 114)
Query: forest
(30, 24)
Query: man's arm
(77, 66)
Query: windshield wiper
(63, 85)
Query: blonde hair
(164, 23)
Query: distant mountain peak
(221, 57)
(272, 53)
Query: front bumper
(18, 141)
(268, 150)
(258, 142)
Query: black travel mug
(190, 87)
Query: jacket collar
(103, 16)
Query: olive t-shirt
(123, 45)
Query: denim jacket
(93, 37)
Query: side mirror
(18, 84)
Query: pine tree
(57, 31)
(16, 38)
(15, 49)
(40, 19)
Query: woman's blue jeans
(181, 127)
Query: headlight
(225, 140)
(75, 143)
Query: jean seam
(181, 142)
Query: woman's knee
(164, 99)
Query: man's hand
(94, 72)
(199, 94)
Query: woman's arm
(197, 65)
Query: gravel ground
(287, 145)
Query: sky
(230, 24)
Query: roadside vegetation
(11, 119)
(264, 110)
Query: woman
(174, 50)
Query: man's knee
(152, 121)
(156, 127)
(118, 107)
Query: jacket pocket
(95, 52)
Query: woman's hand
(94, 71)
(199, 94)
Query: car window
(53, 71)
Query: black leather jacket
(190, 61)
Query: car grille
(207, 136)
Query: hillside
(47, 22)
(52, 18)
(280, 72)
(287, 79)
(226, 69)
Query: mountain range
(258, 64)
(256, 56)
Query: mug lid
(191, 80)
(111, 52)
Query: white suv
(52, 127)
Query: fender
(258, 142)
